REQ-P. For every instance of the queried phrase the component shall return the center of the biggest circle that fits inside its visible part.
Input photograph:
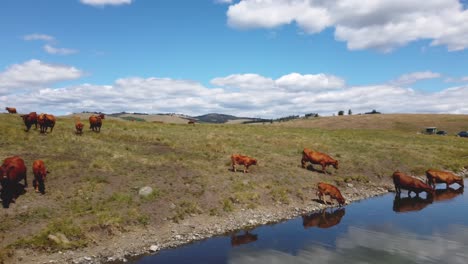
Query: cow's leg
(51, 128)
(25, 181)
(234, 167)
(303, 161)
(35, 185)
(323, 168)
(246, 168)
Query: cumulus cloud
(410, 78)
(106, 2)
(461, 79)
(378, 24)
(37, 36)
(250, 94)
(35, 74)
(58, 51)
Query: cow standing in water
(437, 176)
(316, 157)
(29, 120)
(403, 181)
(12, 172)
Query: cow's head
(460, 181)
(335, 164)
(253, 161)
(341, 201)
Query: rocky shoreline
(150, 240)
(137, 243)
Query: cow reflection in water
(323, 219)
(410, 204)
(447, 194)
(237, 240)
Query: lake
(383, 229)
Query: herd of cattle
(13, 169)
(400, 179)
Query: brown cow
(12, 172)
(40, 174)
(11, 110)
(332, 191)
(78, 126)
(401, 180)
(45, 121)
(95, 122)
(437, 176)
(410, 204)
(237, 240)
(191, 122)
(316, 157)
(323, 219)
(29, 120)
(242, 160)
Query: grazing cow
(437, 176)
(40, 174)
(45, 121)
(447, 194)
(191, 122)
(332, 191)
(237, 240)
(29, 120)
(403, 181)
(323, 219)
(242, 160)
(410, 204)
(78, 126)
(95, 122)
(12, 172)
(11, 110)
(316, 157)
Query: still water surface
(378, 230)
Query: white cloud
(238, 94)
(34, 74)
(37, 36)
(105, 2)
(461, 79)
(378, 24)
(410, 78)
(58, 51)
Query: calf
(29, 120)
(332, 191)
(78, 126)
(11, 110)
(40, 174)
(316, 157)
(403, 181)
(437, 176)
(12, 172)
(242, 160)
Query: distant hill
(219, 118)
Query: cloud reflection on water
(359, 245)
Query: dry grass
(95, 177)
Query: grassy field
(92, 190)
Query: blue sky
(252, 57)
